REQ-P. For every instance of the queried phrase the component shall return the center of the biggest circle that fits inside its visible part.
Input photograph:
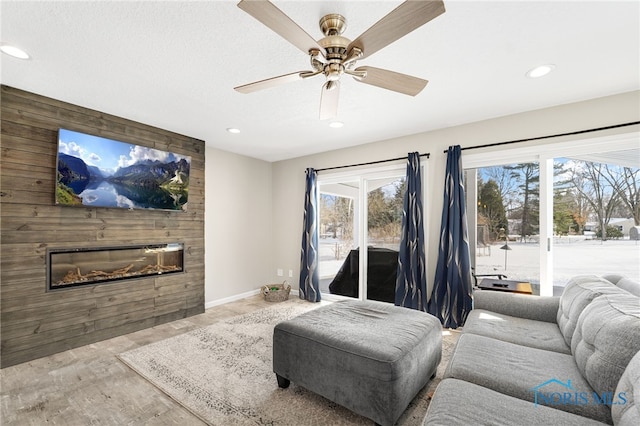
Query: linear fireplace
(90, 266)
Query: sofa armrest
(537, 308)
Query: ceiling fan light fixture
(331, 84)
(540, 70)
(13, 51)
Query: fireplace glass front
(80, 267)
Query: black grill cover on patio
(381, 274)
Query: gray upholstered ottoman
(369, 357)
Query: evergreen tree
(379, 213)
(491, 207)
(563, 213)
(529, 178)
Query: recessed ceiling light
(233, 130)
(336, 124)
(540, 71)
(16, 52)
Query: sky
(107, 154)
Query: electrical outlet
(290, 273)
(280, 272)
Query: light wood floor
(90, 386)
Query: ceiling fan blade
(329, 100)
(271, 82)
(399, 22)
(392, 80)
(267, 13)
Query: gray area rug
(222, 373)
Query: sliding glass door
(508, 221)
(549, 213)
(360, 210)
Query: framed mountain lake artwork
(98, 172)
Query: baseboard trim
(229, 299)
(218, 302)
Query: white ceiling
(173, 64)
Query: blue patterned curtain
(451, 298)
(309, 282)
(411, 282)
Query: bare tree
(507, 181)
(581, 210)
(589, 182)
(625, 182)
(336, 215)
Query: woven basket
(276, 292)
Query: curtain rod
(577, 132)
(369, 163)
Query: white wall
(288, 176)
(238, 237)
(254, 209)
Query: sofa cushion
(628, 414)
(624, 283)
(614, 278)
(629, 285)
(535, 334)
(538, 308)
(606, 338)
(522, 372)
(578, 293)
(456, 402)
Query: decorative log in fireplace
(91, 266)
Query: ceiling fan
(335, 55)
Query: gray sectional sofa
(528, 360)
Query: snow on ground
(571, 256)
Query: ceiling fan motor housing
(332, 26)
(335, 45)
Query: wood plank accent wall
(36, 323)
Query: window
(545, 214)
(360, 209)
(595, 206)
(508, 221)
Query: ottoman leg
(282, 382)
